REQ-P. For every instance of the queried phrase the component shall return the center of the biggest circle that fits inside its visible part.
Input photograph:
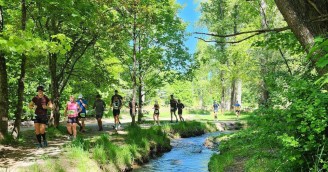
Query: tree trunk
(238, 91)
(222, 103)
(307, 20)
(4, 97)
(134, 67)
(54, 88)
(20, 90)
(140, 114)
(3, 88)
(264, 96)
(233, 97)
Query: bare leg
(99, 124)
(74, 130)
(69, 128)
(176, 118)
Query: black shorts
(156, 112)
(179, 112)
(79, 115)
(41, 119)
(72, 120)
(99, 115)
(237, 111)
(173, 109)
(116, 112)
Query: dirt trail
(13, 158)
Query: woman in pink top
(72, 110)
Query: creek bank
(180, 130)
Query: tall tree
(77, 25)
(20, 89)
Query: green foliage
(292, 133)
(319, 53)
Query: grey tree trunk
(238, 91)
(232, 94)
(264, 95)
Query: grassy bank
(188, 129)
(240, 151)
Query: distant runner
(83, 106)
(71, 111)
(116, 103)
(215, 109)
(180, 107)
(173, 108)
(237, 109)
(99, 106)
(156, 113)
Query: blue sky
(190, 14)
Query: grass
(189, 129)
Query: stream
(187, 154)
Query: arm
(79, 110)
(84, 104)
(65, 112)
(31, 105)
(50, 105)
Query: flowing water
(187, 155)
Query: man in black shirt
(173, 108)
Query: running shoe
(45, 143)
(38, 146)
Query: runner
(156, 113)
(116, 103)
(99, 106)
(71, 111)
(237, 109)
(173, 107)
(180, 107)
(83, 106)
(40, 103)
(216, 109)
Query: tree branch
(229, 42)
(65, 81)
(314, 6)
(260, 31)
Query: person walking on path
(173, 108)
(237, 109)
(83, 106)
(99, 106)
(41, 104)
(156, 113)
(180, 106)
(116, 103)
(215, 109)
(71, 111)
